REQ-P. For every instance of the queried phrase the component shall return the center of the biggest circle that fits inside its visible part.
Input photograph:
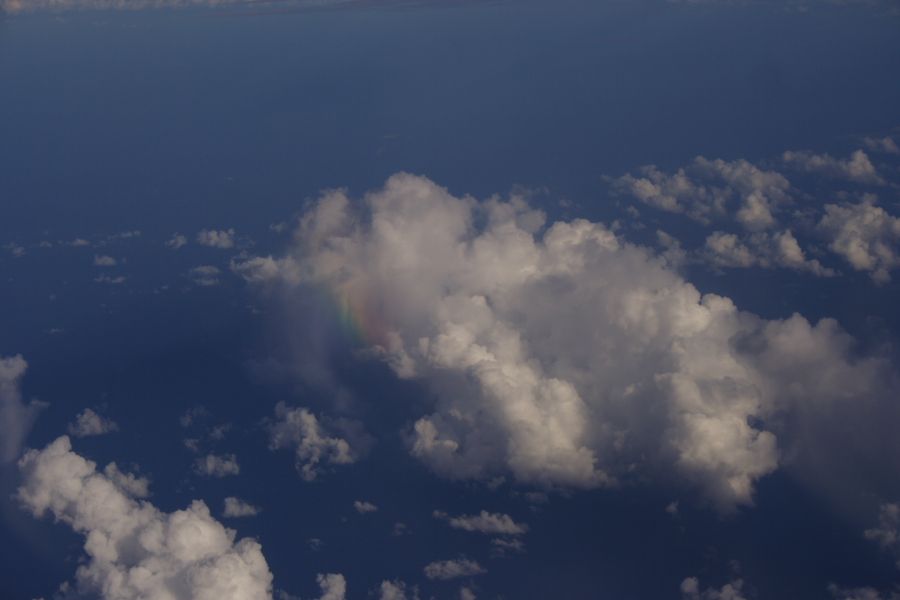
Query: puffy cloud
(134, 486)
(396, 590)
(313, 445)
(690, 590)
(484, 522)
(452, 569)
(16, 417)
(117, 280)
(863, 593)
(176, 241)
(887, 534)
(560, 354)
(334, 586)
(223, 238)
(235, 508)
(133, 549)
(102, 260)
(204, 275)
(885, 144)
(857, 168)
(466, 594)
(501, 547)
(89, 423)
(214, 465)
(865, 235)
(761, 249)
(363, 507)
(708, 189)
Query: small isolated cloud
(453, 568)
(89, 423)
(363, 507)
(16, 417)
(235, 507)
(214, 465)
(761, 249)
(484, 522)
(118, 280)
(176, 241)
(204, 275)
(501, 547)
(183, 555)
(690, 590)
(299, 429)
(886, 145)
(864, 235)
(102, 260)
(333, 586)
(15, 249)
(212, 238)
(79, 243)
(466, 594)
(858, 168)
(396, 590)
(887, 533)
(400, 529)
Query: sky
(449, 299)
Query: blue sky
(514, 299)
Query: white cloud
(214, 465)
(118, 280)
(865, 235)
(334, 586)
(223, 238)
(176, 241)
(133, 549)
(501, 547)
(313, 445)
(396, 590)
(204, 275)
(452, 569)
(15, 249)
(89, 423)
(857, 168)
(235, 508)
(885, 144)
(363, 507)
(466, 594)
(484, 522)
(761, 249)
(563, 355)
(690, 590)
(862, 593)
(102, 260)
(711, 189)
(16, 417)
(130, 484)
(887, 533)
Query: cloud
(561, 354)
(501, 547)
(858, 168)
(89, 423)
(453, 569)
(707, 190)
(690, 590)
(363, 507)
(865, 235)
(466, 594)
(118, 280)
(204, 275)
(216, 238)
(213, 465)
(484, 522)
(130, 484)
(761, 249)
(887, 533)
(133, 549)
(176, 241)
(396, 590)
(886, 144)
(313, 445)
(235, 508)
(863, 593)
(102, 260)
(334, 586)
(16, 417)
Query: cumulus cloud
(501, 547)
(223, 238)
(214, 465)
(887, 533)
(561, 355)
(858, 168)
(453, 569)
(132, 485)
(707, 190)
(16, 417)
(102, 260)
(864, 235)
(133, 549)
(761, 249)
(204, 275)
(861, 593)
(396, 590)
(333, 585)
(235, 508)
(484, 522)
(176, 241)
(690, 590)
(89, 423)
(363, 507)
(886, 144)
(299, 429)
